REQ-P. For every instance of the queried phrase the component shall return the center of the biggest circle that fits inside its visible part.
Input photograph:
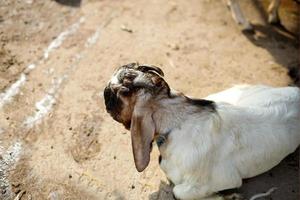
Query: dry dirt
(56, 139)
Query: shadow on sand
(73, 3)
(282, 44)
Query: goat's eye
(127, 82)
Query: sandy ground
(56, 139)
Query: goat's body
(252, 130)
(206, 145)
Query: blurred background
(56, 139)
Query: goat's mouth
(127, 124)
(111, 99)
(113, 103)
(115, 106)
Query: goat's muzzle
(112, 102)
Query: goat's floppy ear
(142, 133)
(146, 68)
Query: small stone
(175, 47)
(132, 187)
(125, 28)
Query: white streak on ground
(7, 163)
(59, 40)
(260, 195)
(14, 89)
(44, 106)
(93, 39)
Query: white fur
(252, 130)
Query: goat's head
(130, 99)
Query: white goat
(206, 145)
(239, 17)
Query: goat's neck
(171, 113)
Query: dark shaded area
(73, 3)
(294, 73)
(285, 177)
(276, 39)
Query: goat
(206, 145)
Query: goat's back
(267, 126)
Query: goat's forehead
(118, 76)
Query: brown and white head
(130, 98)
